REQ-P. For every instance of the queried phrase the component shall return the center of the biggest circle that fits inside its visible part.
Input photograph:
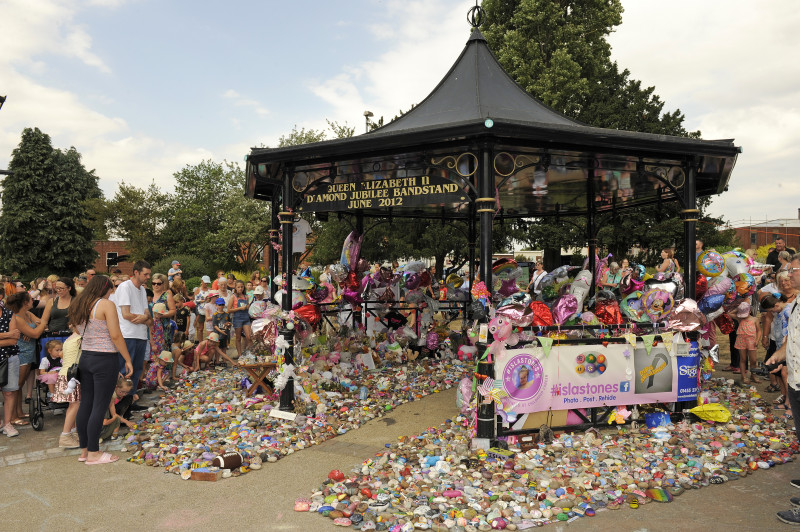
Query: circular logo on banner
(522, 377)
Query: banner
(586, 376)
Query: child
(747, 341)
(221, 322)
(184, 354)
(69, 392)
(120, 402)
(208, 350)
(50, 365)
(182, 314)
(209, 307)
(159, 372)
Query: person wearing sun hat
(159, 371)
(208, 350)
(174, 270)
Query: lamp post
(367, 116)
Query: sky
(143, 88)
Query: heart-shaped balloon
(542, 316)
(700, 285)
(710, 303)
(565, 306)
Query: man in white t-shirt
(134, 318)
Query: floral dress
(161, 332)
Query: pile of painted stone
(208, 414)
(433, 480)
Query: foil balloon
(735, 263)
(565, 306)
(558, 275)
(639, 272)
(520, 298)
(745, 284)
(669, 286)
(453, 281)
(508, 287)
(718, 285)
(711, 316)
(588, 318)
(338, 272)
(710, 302)
(580, 286)
(700, 285)
(686, 316)
(351, 281)
(725, 324)
(504, 267)
(710, 263)
(542, 317)
(385, 276)
(520, 315)
(425, 279)
(310, 313)
(352, 296)
(351, 250)
(318, 294)
(464, 395)
(256, 308)
(412, 281)
(658, 304)
(632, 307)
(479, 290)
(414, 266)
(414, 296)
(362, 266)
(607, 311)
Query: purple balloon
(351, 296)
(318, 294)
(710, 303)
(718, 285)
(565, 306)
(412, 281)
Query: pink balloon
(565, 306)
(352, 296)
(718, 285)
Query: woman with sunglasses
(59, 306)
(163, 310)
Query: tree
(138, 215)
(557, 50)
(45, 224)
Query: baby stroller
(39, 399)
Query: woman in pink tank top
(96, 319)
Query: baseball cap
(205, 279)
(176, 263)
(220, 301)
(258, 290)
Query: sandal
(779, 400)
(772, 388)
(21, 422)
(781, 407)
(105, 458)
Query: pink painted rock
(342, 521)
(452, 493)
(302, 505)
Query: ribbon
(648, 340)
(546, 343)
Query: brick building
(763, 233)
(112, 249)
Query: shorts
(223, 341)
(240, 321)
(745, 342)
(13, 374)
(27, 353)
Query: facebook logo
(625, 386)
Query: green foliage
(192, 283)
(191, 266)
(139, 215)
(46, 221)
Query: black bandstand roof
(542, 161)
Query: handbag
(4, 371)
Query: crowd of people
(105, 340)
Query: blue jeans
(136, 349)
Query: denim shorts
(13, 375)
(239, 320)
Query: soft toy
(502, 330)
(467, 352)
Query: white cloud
(240, 101)
(728, 65)
(424, 39)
